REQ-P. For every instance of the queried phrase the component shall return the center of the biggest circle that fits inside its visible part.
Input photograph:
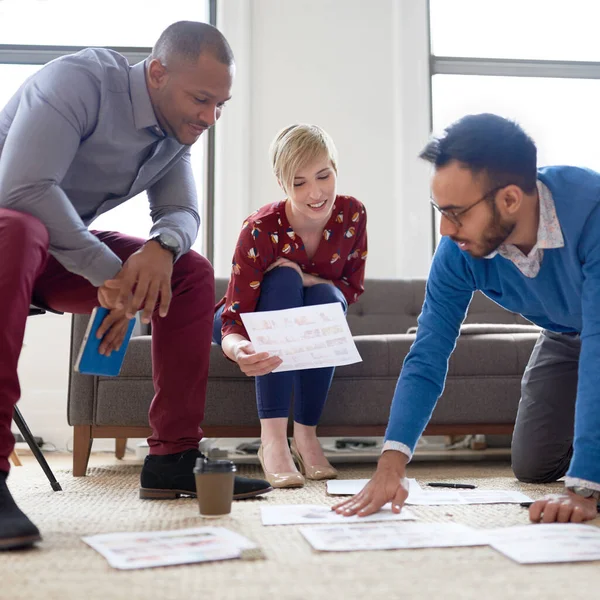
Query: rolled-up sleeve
(174, 204)
(40, 146)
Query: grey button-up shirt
(79, 138)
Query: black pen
(456, 486)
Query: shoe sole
(158, 494)
(19, 542)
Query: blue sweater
(563, 297)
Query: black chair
(36, 309)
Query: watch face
(169, 242)
(583, 491)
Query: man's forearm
(394, 461)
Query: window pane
(559, 114)
(11, 77)
(132, 217)
(107, 23)
(532, 29)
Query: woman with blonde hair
(307, 249)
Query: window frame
(15, 54)
(499, 67)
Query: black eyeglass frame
(454, 215)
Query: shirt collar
(144, 116)
(549, 234)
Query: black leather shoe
(172, 476)
(16, 530)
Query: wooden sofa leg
(120, 447)
(14, 457)
(82, 446)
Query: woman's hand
(284, 262)
(307, 280)
(254, 363)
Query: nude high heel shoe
(312, 471)
(281, 480)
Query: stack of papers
(139, 550)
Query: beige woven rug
(106, 501)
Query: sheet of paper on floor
(305, 514)
(142, 549)
(547, 543)
(391, 536)
(423, 497)
(307, 337)
(437, 498)
(349, 487)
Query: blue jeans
(282, 288)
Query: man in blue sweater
(529, 240)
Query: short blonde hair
(296, 146)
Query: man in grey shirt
(83, 135)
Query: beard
(494, 236)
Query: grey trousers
(542, 443)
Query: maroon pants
(180, 341)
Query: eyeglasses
(453, 215)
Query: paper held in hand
(308, 337)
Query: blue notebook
(90, 361)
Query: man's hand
(112, 331)
(254, 363)
(145, 276)
(388, 484)
(563, 508)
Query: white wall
(357, 68)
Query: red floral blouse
(267, 235)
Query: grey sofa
(481, 394)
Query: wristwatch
(585, 492)
(168, 242)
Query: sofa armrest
(81, 390)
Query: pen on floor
(456, 486)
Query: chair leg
(28, 437)
(15, 459)
(82, 446)
(120, 447)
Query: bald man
(84, 134)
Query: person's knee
(22, 229)
(538, 469)
(195, 265)
(282, 277)
(197, 273)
